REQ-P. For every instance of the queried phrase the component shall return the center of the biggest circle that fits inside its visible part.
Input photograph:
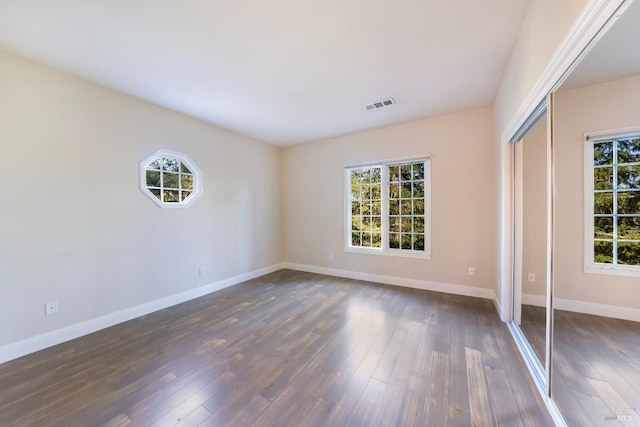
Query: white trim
(406, 159)
(384, 207)
(470, 291)
(196, 172)
(591, 267)
(590, 22)
(584, 307)
(39, 342)
(535, 300)
(537, 373)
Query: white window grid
(384, 248)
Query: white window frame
(385, 250)
(182, 157)
(589, 265)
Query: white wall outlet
(202, 271)
(51, 307)
(531, 277)
(472, 271)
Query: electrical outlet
(202, 271)
(472, 271)
(51, 307)
(531, 277)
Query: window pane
(355, 239)
(376, 223)
(184, 168)
(376, 240)
(355, 208)
(405, 241)
(629, 150)
(366, 223)
(603, 203)
(154, 164)
(156, 193)
(629, 177)
(394, 223)
(418, 242)
(366, 208)
(171, 196)
(366, 192)
(405, 191)
(603, 178)
(603, 153)
(629, 253)
(394, 191)
(169, 180)
(376, 191)
(375, 175)
(603, 227)
(405, 207)
(603, 252)
(187, 182)
(406, 225)
(169, 164)
(185, 194)
(418, 189)
(366, 239)
(394, 173)
(355, 191)
(153, 178)
(418, 207)
(628, 202)
(356, 223)
(418, 170)
(629, 228)
(418, 224)
(394, 207)
(405, 172)
(376, 208)
(394, 241)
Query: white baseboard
(39, 342)
(596, 309)
(397, 281)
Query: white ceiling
(615, 55)
(282, 71)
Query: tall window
(388, 208)
(613, 204)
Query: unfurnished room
(320, 213)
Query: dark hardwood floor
(596, 366)
(285, 349)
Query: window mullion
(615, 202)
(384, 173)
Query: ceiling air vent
(379, 104)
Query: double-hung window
(612, 203)
(388, 209)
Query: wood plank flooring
(286, 349)
(596, 366)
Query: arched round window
(170, 179)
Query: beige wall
(547, 24)
(76, 228)
(462, 172)
(534, 212)
(602, 107)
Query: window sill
(389, 252)
(611, 270)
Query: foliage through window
(170, 179)
(387, 208)
(615, 163)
